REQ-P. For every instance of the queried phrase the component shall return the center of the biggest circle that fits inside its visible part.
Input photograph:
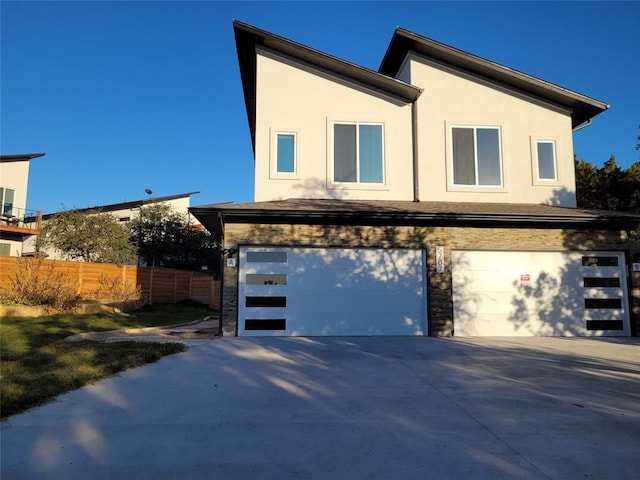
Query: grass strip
(37, 363)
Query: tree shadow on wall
(553, 303)
(362, 275)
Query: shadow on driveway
(347, 407)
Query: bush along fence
(106, 281)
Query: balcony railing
(20, 217)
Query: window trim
(273, 156)
(535, 164)
(333, 184)
(454, 187)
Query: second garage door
(331, 291)
(540, 293)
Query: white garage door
(331, 291)
(539, 293)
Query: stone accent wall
(451, 238)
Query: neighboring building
(14, 182)
(127, 211)
(435, 196)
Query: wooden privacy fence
(158, 285)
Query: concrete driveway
(337, 408)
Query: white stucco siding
(303, 101)
(15, 175)
(452, 98)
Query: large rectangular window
(358, 153)
(285, 153)
(6, 201)
(476, 156)
(546, 160)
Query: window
(358, 153)
(6, 201)
(274, 257)
(266, 278)
(546, 160)
(5, 249)
(476, 156)
(285, 153)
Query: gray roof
(403, 41)
(383, 212)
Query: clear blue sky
(124, 96)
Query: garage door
(540, 293)
(331, 291)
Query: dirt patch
(204, 329)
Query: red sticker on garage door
(525, 280)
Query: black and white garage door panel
(540, 293)
(331, 291)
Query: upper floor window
(546, 160)
(476, 156)
(6, 201)
(285, 153)
(358, 153)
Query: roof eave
(407, 218)
(403, 41)
(20, 157)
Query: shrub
(37, 284)
(117, 290)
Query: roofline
(20, 157)
(375, 217)
(403, 41)
(124, 205)
(248, 37)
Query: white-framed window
(6, 201)
(284, 153)
(476, 156)
(358, 153)
(545, 167)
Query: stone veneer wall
(440, 290)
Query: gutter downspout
(582, 125)
(414, 148)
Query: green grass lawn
(36, 363)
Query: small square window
(285, 153)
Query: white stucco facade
(304, 101)
(452, 98)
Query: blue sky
(124, 96)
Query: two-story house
(15, 233)
(435, 196)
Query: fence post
(80, 278)
(151, 287)
(175, 284)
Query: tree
(608, 187)
(164, 238)
(89, 235)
